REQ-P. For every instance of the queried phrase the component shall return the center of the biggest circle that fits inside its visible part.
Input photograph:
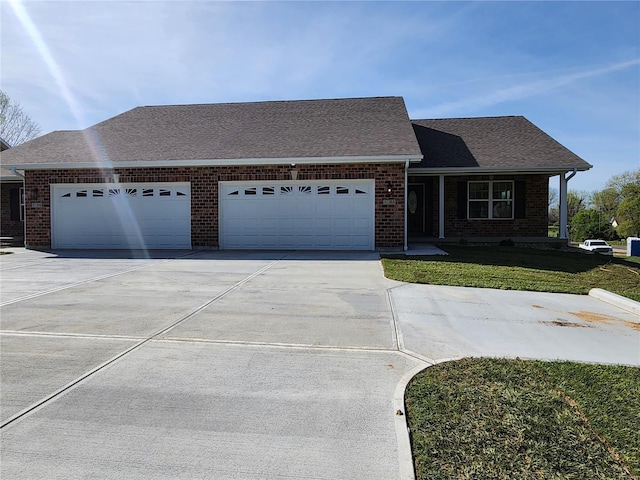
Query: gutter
(498, 170)
(222, 162)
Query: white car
(598, 246)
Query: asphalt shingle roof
(490, 142)
(367, 127)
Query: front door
(415, 209)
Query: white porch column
(562, 208)
(441, 206)
(562, 205)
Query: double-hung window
(490, 200)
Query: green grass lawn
(520, 268)
(514, 419)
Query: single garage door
(135, 215)
(323, 215)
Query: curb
(405, 455)
(621, 302)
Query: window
(490, 200)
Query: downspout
(24, 213)
(406, 192)
(441, 207)
(15, 172)
(563, 233)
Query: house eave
(451, 171)
(227, 162)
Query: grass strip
(519, 268)
(505, 419)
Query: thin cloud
(523, 91)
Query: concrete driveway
(198, 365)
(244, 364)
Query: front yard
(520, 268)
(507, 419)
(504, 419)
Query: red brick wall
(533, 225)
(389, 219)
(8, 227)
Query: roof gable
(491, 143)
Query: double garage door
(113, 216)
(323, 215)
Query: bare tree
(619, 181)
(16, 127)
(576, 202)
(606, 201)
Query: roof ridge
(466, 118)
(267, 101)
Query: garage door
(135, 215)
(331, 215)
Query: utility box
(633, 247)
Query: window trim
(490, 200)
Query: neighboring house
(11, 202)
(311, 174)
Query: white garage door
(323, 215)
(135, 215)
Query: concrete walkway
(441, 323)
(244, 365)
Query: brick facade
(389, 207)
(533, 224)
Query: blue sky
(572, 68)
